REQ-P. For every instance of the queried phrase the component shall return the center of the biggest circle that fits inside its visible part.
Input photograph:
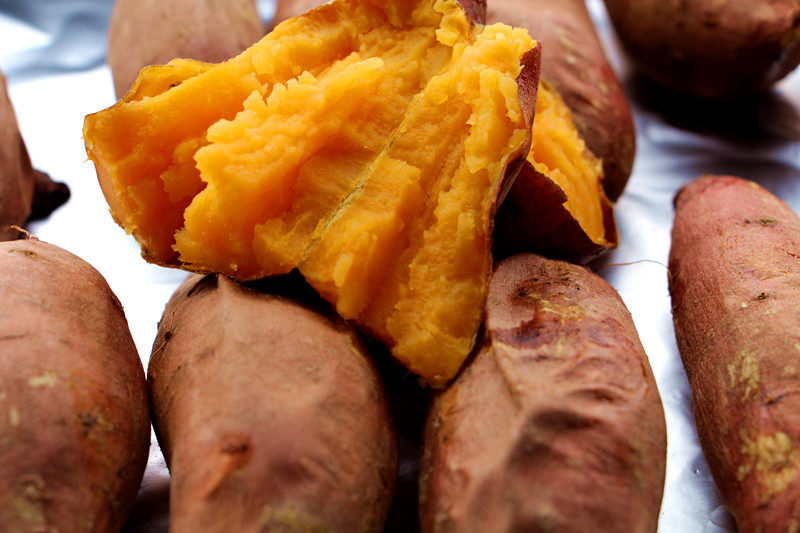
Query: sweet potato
(152, 32)
(366, 144)
(556, 206)
(708, 48)
(734, 273)
(25, 193)
(574, 62)
(271, 416)
(74, 422)
(556, 424)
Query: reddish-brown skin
(710, 48)
(153, 32)
(574, 62)
(25, 193)
(734, 272)
(272, 417)
(556, 424)
(74, 421)
(533, 217)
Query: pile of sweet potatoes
(373, 159)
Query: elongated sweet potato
(272, 417)
(734, 271)
(366, 143)
(152, 32)
(709, 48)
(25, 193)
(574, 62)
(74, 422)
(556, 424)
(557, 206)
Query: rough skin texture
(366, 144)
(556, 424)
(74, 421)
(573, 60)
(710, 48)
(735, 283)
(272, 417)
(153, 32)
(25, 193)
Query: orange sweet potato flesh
(556, 423)
(557, 206)
(734, 274)
(270, 412)
(365, 143)
(74, 418)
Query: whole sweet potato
(74, 424)
(734, 272)
(573, 61)
(710, 48)
(153, 32)
(25, 193)
(271, 416)
(556, 424)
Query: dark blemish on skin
(88, 422)
(29, 254)
(235, 446)
(763, 222)
(763, 296)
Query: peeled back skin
(557, 206)
(556, 424)
(366, 143)
(152, 32)
(272, 416)
(710, 48)
(574, 62)
(734, 278)
(74, 418)
(25, 193)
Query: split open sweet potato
(366, 143)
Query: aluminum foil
(53, 53)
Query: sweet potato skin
(74, 421)
(153, 32)
(574, 62)
(25, 193)
(556, 424)
(734, 272)
(710, 49)
(271, 416)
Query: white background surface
(53, 54)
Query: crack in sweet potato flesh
(364, 143)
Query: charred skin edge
(575, 63)
(551, 231)
(558, 400)
(708, 49)
(77, 435)
(734, 273)
(217, 425)
(26, 194)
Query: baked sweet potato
(708, 48)
(153, 32)
(573, 61)
(366, 144)
(556, 206)
(734, 273)
(25, 193)
(74, 421)
(272, 417)
(556, 424)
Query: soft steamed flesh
(364, 143)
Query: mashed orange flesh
(560, 153)
(364, 143)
